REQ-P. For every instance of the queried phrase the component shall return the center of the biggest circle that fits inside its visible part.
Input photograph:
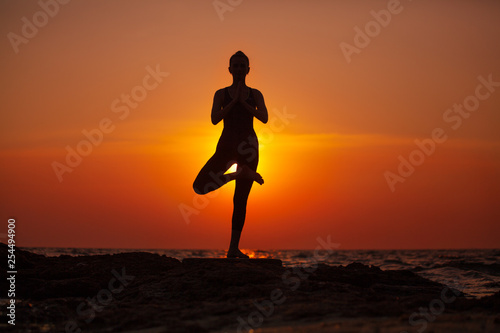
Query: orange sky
(340, 123)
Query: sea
(476, 273)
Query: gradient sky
(339, 125)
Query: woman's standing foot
(236, 253)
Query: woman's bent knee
(204, 187)
(198, 188)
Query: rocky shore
(148, 293)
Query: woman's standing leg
(241, 192)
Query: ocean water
(474, 272)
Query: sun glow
(255, 254)
(232, 169)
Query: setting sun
(123, 108)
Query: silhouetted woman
(236, 105)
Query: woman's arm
(260, 110)
(218, 112)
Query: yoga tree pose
(236, 105)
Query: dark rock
(162, 292)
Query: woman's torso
(238, 122)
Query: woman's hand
(240, 92)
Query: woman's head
(239, 65)
(239, 54)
